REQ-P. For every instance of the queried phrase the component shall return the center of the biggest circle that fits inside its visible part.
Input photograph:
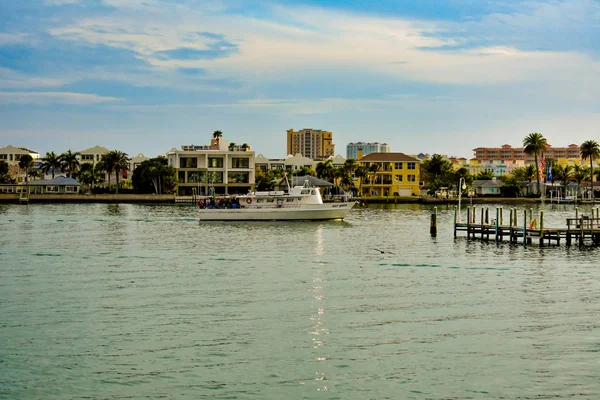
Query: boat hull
(317, 212)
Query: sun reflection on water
(319, 324)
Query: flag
(549, 172)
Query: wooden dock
(581, 230)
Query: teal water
(138, 301)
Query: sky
(430, 76)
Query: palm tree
(245, 146)
(69, 163)
(535, 143)
(26, 163)
(361, 173)
(373, 170)
(121, 163)
(580, 174)
(232, 145)
(51, 162)
(107, 163)
(217, 134)
(324, 169)
(564, 174)
(590, 149)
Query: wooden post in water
(542, 228)
(468, 222)
(487, 215)
(501, 218)
(497, 223)
(525, 228)
(510, 226)
(455, 219)
(433, 224)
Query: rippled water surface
(140, 301)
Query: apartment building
(398, 175)
(311, 143)
(509, 153)
(215, 169)
(361, 149)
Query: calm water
(138, 301)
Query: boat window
(313, 192)
(259, 200)
(271, 200)
(288, 200)
(299, 198)
(305, 192)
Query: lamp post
(460, 189)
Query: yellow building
(398, 175)
(311, 143)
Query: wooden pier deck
(581, 230)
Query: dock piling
(433, 223)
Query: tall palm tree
(217, 134)
(373, 170)
(324, 169)
(564, 174)
(245, 146)
(26, 163)
(51, 163)
(580, 174)
(590, 149)
(69, 163)
(107, 163)
(361, 173)
(535, 143)
(121, 163)
(232, 146)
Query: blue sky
(144, 76)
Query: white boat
(298, 203)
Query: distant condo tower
(361, 149)
(312, 143)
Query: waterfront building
(92, 155)
(398, 175)
(135, 162)
(496, 167)
(360, 149)
(12, 156)
(293, 163)
(488, 187)
(508, 153)
(215, 169)
(311, 143)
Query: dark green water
(131, 301)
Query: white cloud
(60, 2)
(13, 80)
(47, 98)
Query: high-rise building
(506, 152)
(361, 149)
(312, 143)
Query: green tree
(245, 146)
(590, 149)
(232, 146)
(107, 164)
(217, 134)
(361, 173)
(303, 171)
(484, 176)
(155, 176)
(580, 174)
(51, 163)
(5, 174)
(90, 176)
(121, 163)
(264, 180)
(324, 170)
(373, 170)
(26, 163)
(437, 172)
(564, 174)
(69, 163)
(535, 143)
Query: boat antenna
(287, 182)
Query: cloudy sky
(436, 76)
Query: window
(238, 177)
(51, 189)
(412, 178)
(215, 177)
(398, 165)
(70, 189)
(181, 177)
(87, 157)
(411, 165)
(196, 177)
(240, 162)
(3, 156)
(214, 162)
(398, 178)
(188, 162)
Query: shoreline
(11, 198)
